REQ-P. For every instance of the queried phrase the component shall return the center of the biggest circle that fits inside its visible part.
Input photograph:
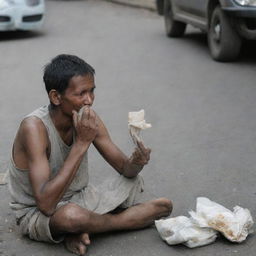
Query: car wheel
(223, 40)
(173, 28)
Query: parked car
(21, 14)
(226, 22)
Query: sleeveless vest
(19, 184)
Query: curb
(144, 4)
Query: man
(51, 196)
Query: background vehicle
(226, 22)
(21, 14)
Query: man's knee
(71, 217)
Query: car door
(180, 5)
(194, 7)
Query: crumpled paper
(136, 123)
(204, 224)
(182, 230)
(235, 226)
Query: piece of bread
(136, 123)
(137, 119)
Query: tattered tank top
(22, 198)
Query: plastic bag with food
(182, 230)
(235, 226)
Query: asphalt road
(202, 114)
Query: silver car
(21, 14)
(226, 22)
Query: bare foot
(143, 215)
(77, 243)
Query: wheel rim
(168, 16)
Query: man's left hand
(141, 155)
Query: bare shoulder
(31, 122)
(31, 140)
(32, 133)
(32, 125)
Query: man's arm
(129, 167)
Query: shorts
(36, 225)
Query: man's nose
(88, 99)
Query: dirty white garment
(105, 198)
(181, 229)
(136, 123)
(235, 226)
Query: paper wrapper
(182, 230)
(136, 123)
(235, 226)
(205, 223)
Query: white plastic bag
(182, 230)
(136, 123)
(235, 226)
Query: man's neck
(62, 122)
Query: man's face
(79, 93)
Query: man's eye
(92, 90)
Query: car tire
(223, 40)
(173, 28)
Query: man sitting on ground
(51, 196)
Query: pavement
(145, 4)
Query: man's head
(69, 78)
(58, 73)
(69, 82)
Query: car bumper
(245, 18)
(245, 12)
(22, 18)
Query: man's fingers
(96, 123)
(148, 154)
(75, 117)
(141, 145)
(86, 113)
(145, 151)
(142, 157)
(92, 117)
(93, 120)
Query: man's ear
(54, 97)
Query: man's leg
(75, 222)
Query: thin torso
(19, 152)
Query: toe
(85, 239)
(82, 249)
(72, 249)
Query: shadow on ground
(19, 35)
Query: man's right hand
(86, 126)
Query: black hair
(61, 69)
